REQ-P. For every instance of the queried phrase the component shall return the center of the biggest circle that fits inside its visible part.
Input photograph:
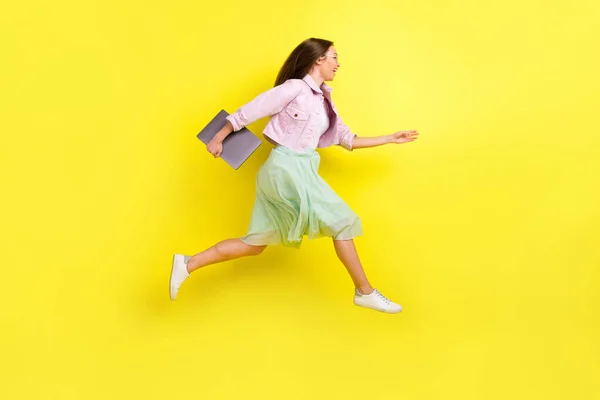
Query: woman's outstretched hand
(398, 137)
(404, 136)
(215, 147)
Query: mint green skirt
(293, 201)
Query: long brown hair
(302, 58)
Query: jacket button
(295, 115)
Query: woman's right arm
(265, 104)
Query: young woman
(292, 200)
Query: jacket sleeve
(265, 104)
(343, 135)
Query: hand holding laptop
(215, 147)
(233, 147)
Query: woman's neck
(317, 77)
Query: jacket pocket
(297, 114)
(297, 120)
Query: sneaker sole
(376, 309)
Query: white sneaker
(179, 274)
(376, 301)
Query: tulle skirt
(293, 201)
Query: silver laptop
(237, 146)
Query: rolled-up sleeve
(344, 136)
(265, 104)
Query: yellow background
(486, 229)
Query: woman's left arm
(397, 138)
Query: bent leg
(223, 251)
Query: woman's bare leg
(346, 252)
(368, 297)
(223, 251)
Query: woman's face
(328, 64)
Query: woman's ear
(320, 60)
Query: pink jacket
(292, 107)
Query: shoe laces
(382, 297)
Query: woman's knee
(255, 250)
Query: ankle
(189, 267)
(365, 290)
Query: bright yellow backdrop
(486, 229)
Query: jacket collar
(313, 85)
